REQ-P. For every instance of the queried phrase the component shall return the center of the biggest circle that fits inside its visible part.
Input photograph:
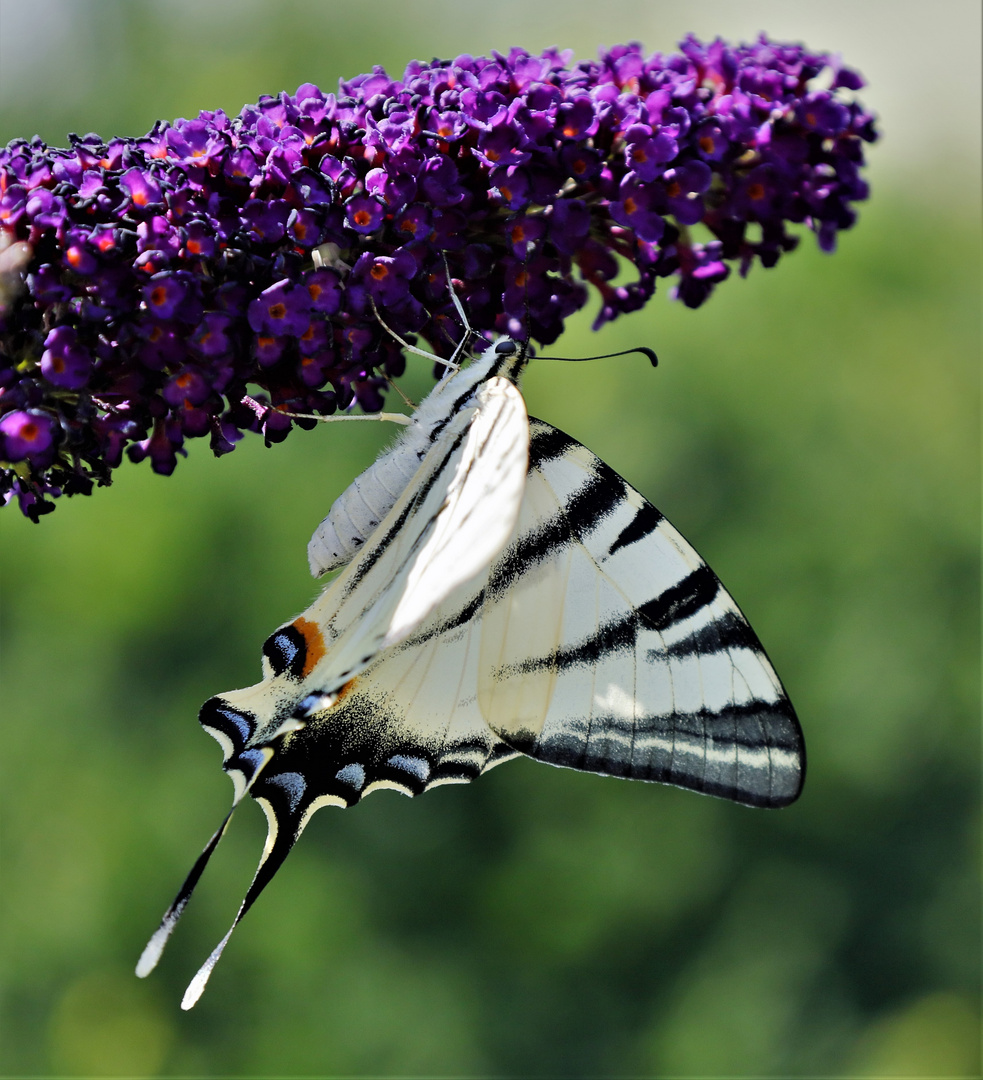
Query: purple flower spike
(145, 283)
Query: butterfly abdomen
(365, 502)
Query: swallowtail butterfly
(502, 592)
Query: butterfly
(501, 592)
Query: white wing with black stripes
(608, 645)
(516, 597)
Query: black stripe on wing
(644, 523)
(587, 506)
(547, 443)
(729, 631)
(751, 754)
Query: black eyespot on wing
(286, 651)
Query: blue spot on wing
(292, 783)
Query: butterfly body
(514, 596)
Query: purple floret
(27, 436)
(149, 285)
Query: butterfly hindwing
(454, 515)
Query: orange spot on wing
(346, 690)
(314, 642)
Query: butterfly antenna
(278, 845)
(155, 946)
(650, 353)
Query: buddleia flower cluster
(153, 289)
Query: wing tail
(282, 833)
(155, 946)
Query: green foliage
(813, 432)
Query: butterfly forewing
(654, 672)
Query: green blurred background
(813, 430)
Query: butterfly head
(505, 357)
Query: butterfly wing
(608, 645)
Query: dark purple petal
(635, 210)
(266, 222)
(283, 308)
